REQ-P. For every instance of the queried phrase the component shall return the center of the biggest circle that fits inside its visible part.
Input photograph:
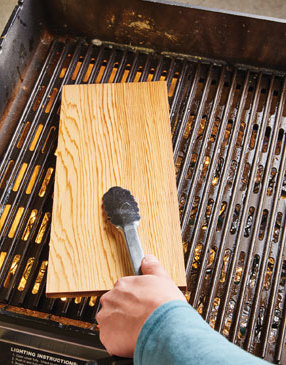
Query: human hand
(126, 307)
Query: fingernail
(150, 258)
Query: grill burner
(228, 127)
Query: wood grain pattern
(112, 134)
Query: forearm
(176, 334)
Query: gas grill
(226, 85)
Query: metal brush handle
(134, 246)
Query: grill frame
(200, 86)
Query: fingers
(151, 266)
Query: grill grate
(228, 127)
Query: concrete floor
(271, 8)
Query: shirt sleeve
(176, 334)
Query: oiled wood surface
(112, 135)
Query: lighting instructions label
(19, 355)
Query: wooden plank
(112, 134)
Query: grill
(228, 124)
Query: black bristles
(121, 207)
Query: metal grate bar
(181, 125)
(146, 69)
(121, 68)
(29, 137)
(225, 300)
(281, 354)
(267, 247)
(188, 155)
(203, 203)
(159, 70)
(279, 261)
(225, 234)
(177, 98)
(219, 197)
(30, 102)
(234, 330)
(22, 187)
(206, 137)
(85, 64)
(96, 66)
(133, 69)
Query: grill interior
(228, 126)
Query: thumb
(151, 266)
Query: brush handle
(134, 246)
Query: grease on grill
(221, 216)
(194, 210)
(92, 301)
(201, 128)
(216, 177)
(258, 179)
(43, 227)
(182, 202)
(244, 320)
(211, 259)
(214, 130)
(279, 142)
(207, 214)
(254, 271)
(227, 133)
(205, 166)
(283, 191)
(263, 224)
(29, 225)
(12, 271)
(77, 300)
(239, 268)
(277, 227)
(226, 258)
(7, 173)
(39, 97)
(26, 273)
(23, 135)
(249, 222)
(253, 137)
(2, 258)
(269, 272)
(39, 277)
(51, 100)
(192, 165)
(46, 181)
(235, 219)
(240, 134)
(228, 318)
(231, 174)
(271, 182)
(266, 139)
(245, 176)
(214, 312)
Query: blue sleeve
(176, 334)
